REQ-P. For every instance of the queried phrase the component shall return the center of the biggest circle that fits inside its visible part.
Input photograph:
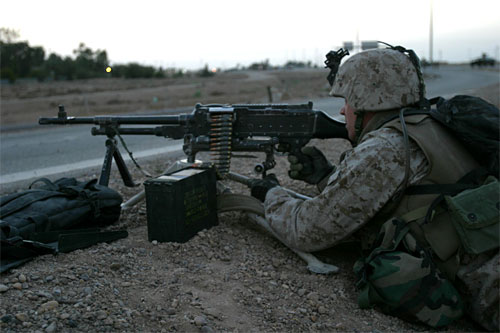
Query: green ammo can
(180, 204)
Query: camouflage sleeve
(365, 180)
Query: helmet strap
(358, 125)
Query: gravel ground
(230, 278)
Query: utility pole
(357, 47)
(431, 33)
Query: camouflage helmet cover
(376, 80)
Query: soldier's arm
(364, 181)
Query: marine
(367, 191)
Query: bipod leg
(106, 164)
(113, 152)
(122, 167)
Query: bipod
(113, 152)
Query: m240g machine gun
(220, 129)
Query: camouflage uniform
(365, 180)
(354, 196)
(370, 175)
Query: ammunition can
(180, 204)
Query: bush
(8, 74)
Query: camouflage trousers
(478, 282)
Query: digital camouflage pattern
(388, 72)
(478, 280)
(364, 181)
(400, 277)
(367, 178)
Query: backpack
(399, 275)
(475, 123)
(56, 217)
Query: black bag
(32, 222)
(476, 124)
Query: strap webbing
(233, 201)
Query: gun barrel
(181, 119)
(65, 120)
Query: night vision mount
(332, 61)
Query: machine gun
(217, 128)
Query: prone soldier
(422, 271)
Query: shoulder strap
(48, 184)
(12, 203)
(24, 200)
(471, 180)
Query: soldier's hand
(310, 166)
(260, 187)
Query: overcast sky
(192, 33)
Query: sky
(221, 33)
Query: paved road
(44, 151)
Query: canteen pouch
(475, 215)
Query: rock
(115, 266)
(101, 315)
(108, 321)
(22, 278)
(3, 288)
(200, 321)
(51, 328)
(8, 318)
(276, 262)
(212, 312)
(206, 329)
(50, 305)
(45, 294)
(17, 286)
(64, 316)
(22, 316)
(313, 296)
(175, 303)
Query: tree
(89, 63)
(20, 58)
(8, 35)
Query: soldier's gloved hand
(260, 187)
(311, 166)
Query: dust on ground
(230, 278)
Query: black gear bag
(58, 216)
(476, 124)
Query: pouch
(475, 215)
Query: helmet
(376, 80)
